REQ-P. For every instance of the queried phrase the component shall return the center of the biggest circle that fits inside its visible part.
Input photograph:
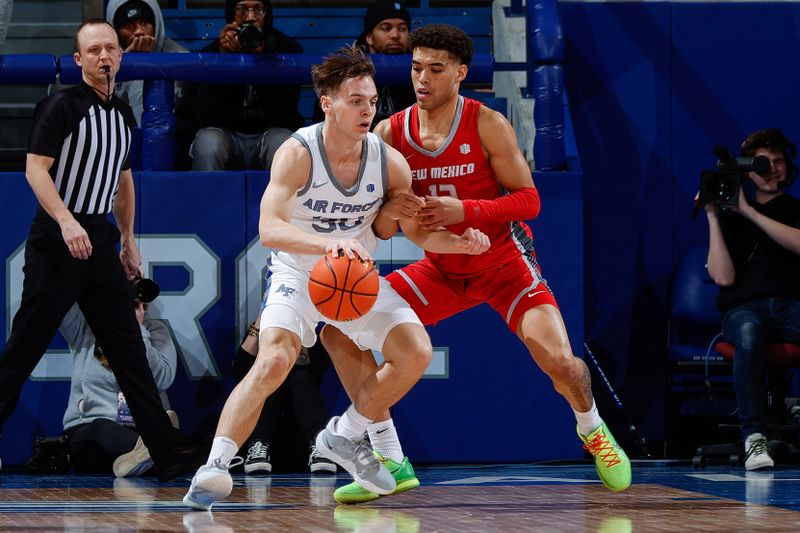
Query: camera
(145, 290)
(721, 185)
(250, 36)
(719, 188)
(51, 455)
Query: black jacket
(764, 268)
(244, 108)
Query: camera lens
(250, 36)
(146, 290)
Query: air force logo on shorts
(288, 292)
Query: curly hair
(344, 64)
(775, 140)
(443, 37)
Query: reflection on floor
(664, 497)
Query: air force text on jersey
(321, 206)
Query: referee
(77, 166)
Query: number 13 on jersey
(443, 189)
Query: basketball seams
(355, 284)
(335, 288)
(342, 289)
(333, 271)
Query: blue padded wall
(653, 87)
(193, 231)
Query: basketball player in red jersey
(466, 164)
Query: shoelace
(217, 463)
(601, 447)
(758, 447)
(316, 457)
(257, 450)
(366, 458)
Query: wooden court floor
(664, 497)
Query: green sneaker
(613, 466)
(403, 474)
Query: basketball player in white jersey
(326, 194)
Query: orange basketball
(343, 288)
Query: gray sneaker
(134, 463)
(210, 484)
(357, 458)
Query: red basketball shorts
(511, 290)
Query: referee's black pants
(54, 280)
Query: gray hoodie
(94, 391)
(131, 91)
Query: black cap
(133, 10)
(382, 10)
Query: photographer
(754, 257)
(239, 127)
(98, 421)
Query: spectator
(140, 27)
(386, 28)
(241, 126)
(98, 419)
(298, 398)
(754, 257)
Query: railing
(544, 80)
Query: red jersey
(459, 168)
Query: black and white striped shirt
(89, 141)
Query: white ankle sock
(385, 441)
(352, 424)
(588, 421)
(223, 449)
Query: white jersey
(324, 207)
